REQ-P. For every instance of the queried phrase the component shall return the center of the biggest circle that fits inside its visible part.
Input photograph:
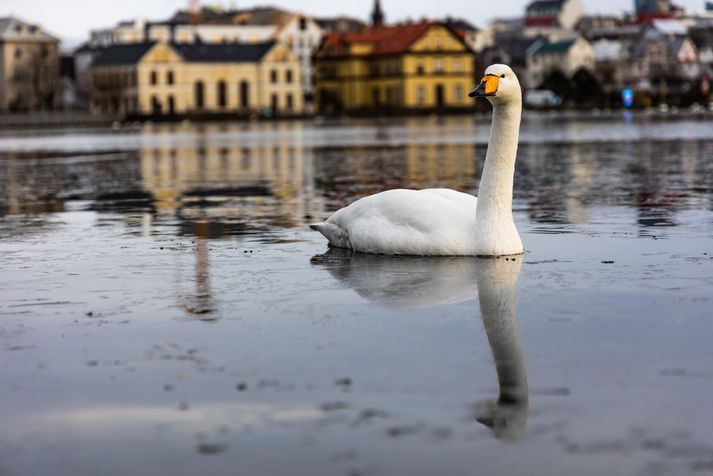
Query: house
(188, 79)
(667, 61)
(29, 67)
(471, 34)
(592, 23)
(340, 24)
(407, 66)
(564, 14)
(647, 10)
(568, 56)
(510, 50)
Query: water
(165, 310)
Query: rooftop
(391, 39)
(558, 47)
(539, 6)
(12, 28)
(129, 54)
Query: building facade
(411, 66)
(567, 57)
(29, 67)
(168, 79)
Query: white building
(547, 14)
(545, 57)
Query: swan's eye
(502, 75)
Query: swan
(439, 221)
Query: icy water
(165, 310)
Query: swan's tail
(336, 235)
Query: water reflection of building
(345, 174)
(40, 182)
(202, 173)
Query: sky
(71, 20)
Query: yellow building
(29, 67)
(411, 66)
(177, 79)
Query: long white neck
(495, 232)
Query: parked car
(541, 98)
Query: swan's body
(442, 222)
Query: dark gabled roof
(514, 47)
(223, 52)
(460, 24)
(544, 5)
(552, 48)
(130, 54)
(119, 55)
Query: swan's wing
(430, 222)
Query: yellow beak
(488, 86)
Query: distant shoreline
(83, 119)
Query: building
(563, 14)
(647, 10)
(409, 66)
(300, 32)
(29, 67)
(340, 24)
(188, 79)
(665, 63)
(471, 34)
(509, 50)
(567, 57)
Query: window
(169, 77)
(244, 94)
(199, 94)
(303, 23)
(18, 53)
(288, 76)
(273, 76)
(273, 103)
(420, 69)
(458, 93)
(457, 66)
(288, 99)
(154, 77)
(438, 65)
(421, 94)
(222, 94)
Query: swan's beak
(488, 87)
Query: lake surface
(164, 308)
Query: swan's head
(499, 85)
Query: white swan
(442, 222)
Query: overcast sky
(71, 20)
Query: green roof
(553, 48)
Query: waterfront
(165, 308)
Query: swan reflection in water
(423, 282)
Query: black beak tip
(478, 92)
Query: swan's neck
(495, 230)
(495, 193)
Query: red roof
(387, 40)
(541, 21)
